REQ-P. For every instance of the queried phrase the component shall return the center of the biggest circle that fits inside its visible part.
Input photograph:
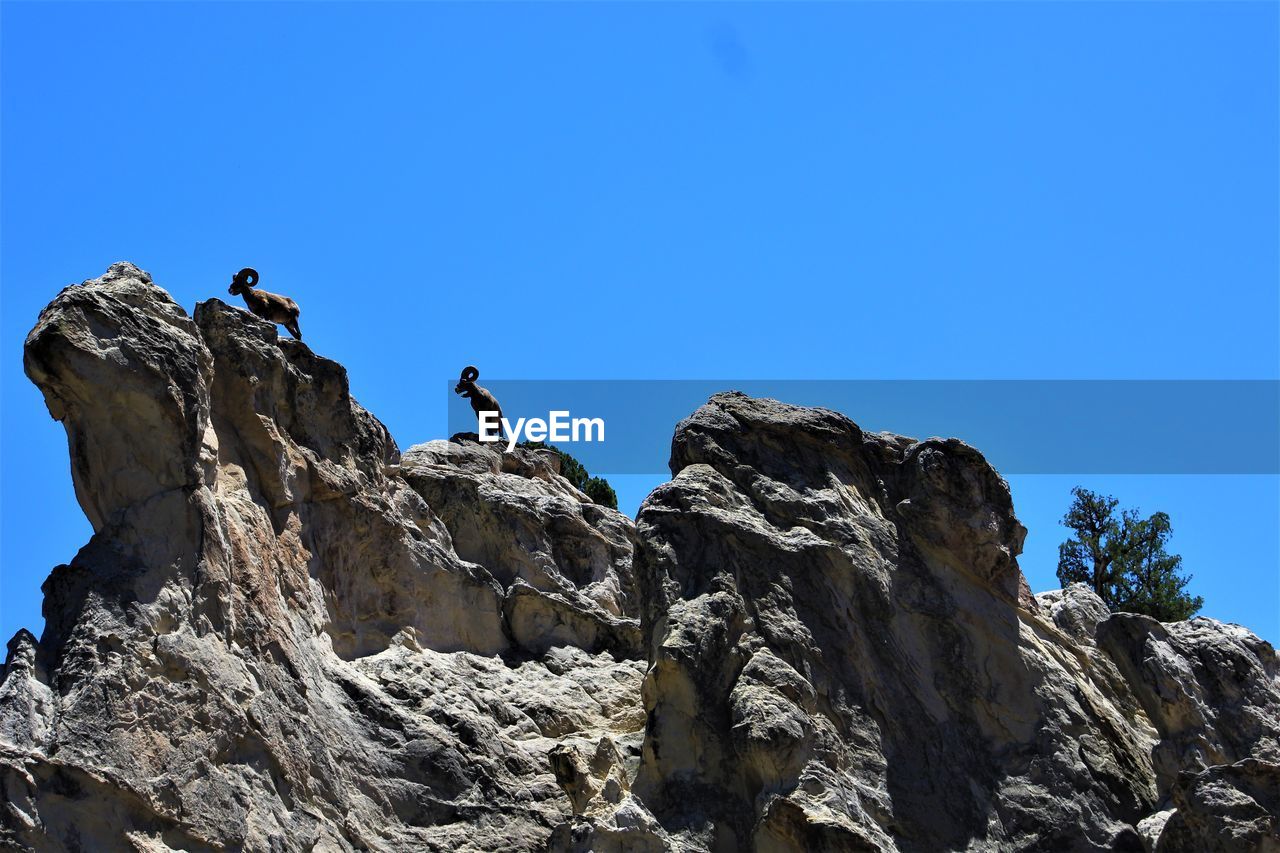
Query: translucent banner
(1022, 426)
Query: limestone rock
(839, 660)
(128, 376)
(1211, 689)
(1228, 807)
(25, 695)
(564, 561)
(271, 641)
(1077, 610)
(1152, 827)
(284, 635)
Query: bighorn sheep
(481, 399)
(269, 306)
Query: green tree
(1123, 558)
(596, 488)
(600, 492)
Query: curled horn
(248, 277)
(470, 373)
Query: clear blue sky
(855, 190)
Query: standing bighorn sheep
(481, 399)
(269, 306)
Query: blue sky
(858, 190)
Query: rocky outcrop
(839, 660)
(286, 635)
(1224, 808)
(271, 641)
(1208, 688)
(565, 563)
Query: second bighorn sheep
(269, 306)
(481, 399)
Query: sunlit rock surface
(284, 635)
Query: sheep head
(467, 381)
(242, 281)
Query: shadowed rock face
(284, 635)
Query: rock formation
(285, 635)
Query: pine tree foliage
(1122, 558)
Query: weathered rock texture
(271, 641)
(285, 636)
